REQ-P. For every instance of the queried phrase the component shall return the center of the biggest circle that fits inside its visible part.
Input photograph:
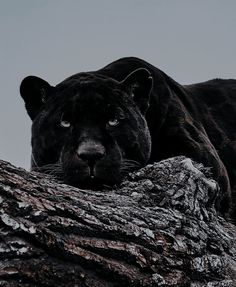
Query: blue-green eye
(113, 122)
(64, 124)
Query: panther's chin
(97, 178)
(90, 182)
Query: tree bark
(159, 228)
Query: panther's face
(89, 130)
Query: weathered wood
(159, 228)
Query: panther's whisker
(51, 169)
(129, 166)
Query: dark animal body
(96, 127)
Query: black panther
(95, 127)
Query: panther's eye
(65, 124)
(113, 122)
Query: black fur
(157, 118)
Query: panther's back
(216, 104)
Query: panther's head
(89, 129)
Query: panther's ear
(139, 85)
(34, 91)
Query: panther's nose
(90, 152)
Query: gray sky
(191, 40)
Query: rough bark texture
(159, 228)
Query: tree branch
(159, 228)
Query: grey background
(191, 40)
